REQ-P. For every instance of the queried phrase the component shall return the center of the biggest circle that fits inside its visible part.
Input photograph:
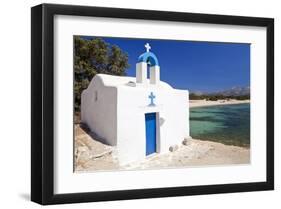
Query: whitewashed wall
(173, 124)
(100, 115)
(117, 115)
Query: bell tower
(145, 59)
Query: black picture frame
(42, 103)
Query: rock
(173, 148)
(186, 142)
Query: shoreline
(205, 103)
(92, 155)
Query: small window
(96, 96)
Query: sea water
(227, 124)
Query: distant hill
(239, 93)
(234, 91)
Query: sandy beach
(92, 155)
(204, 103)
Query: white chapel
(139, 115)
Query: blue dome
(148, 57)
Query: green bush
(92, 56)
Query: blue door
(150, 129)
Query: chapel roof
(115, 81)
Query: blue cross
(151, 97)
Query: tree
(92, 56)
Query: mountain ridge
(234, 91)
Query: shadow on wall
(93, 135)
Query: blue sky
(196, 66)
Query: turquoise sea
(228, 124)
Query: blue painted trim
(150, 129)
(151, 97)
(149, 57)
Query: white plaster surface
(141, 72)
(154, 75)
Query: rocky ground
(92, 155)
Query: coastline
(92, 155)
(205, 103)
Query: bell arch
(149, 57)
(145, 59)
